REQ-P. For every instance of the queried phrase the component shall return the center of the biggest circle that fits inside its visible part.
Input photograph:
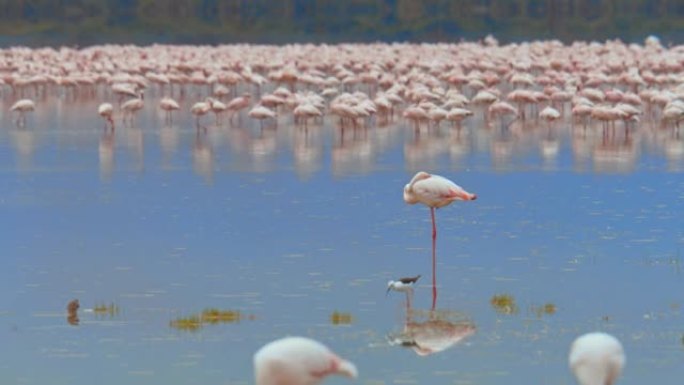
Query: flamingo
(502, 109)
(238, 103)
(23, 106)
(298, 361)
(596, 359)
(105, 110)
(131, 106)
(457, 114)
(437, 114)
(434, 191)
(305, 111)
(217, 107)
(123, 90)
(168, 104)
(200, 108)
(415, 114)
(260, 112)
(550, 114)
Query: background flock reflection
(244, 145)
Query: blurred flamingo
(199, 109)
(132, 106)
(169, 105)
(105, 110)
(23, 106)
(596, 358)
(298, 360)
(260, 112)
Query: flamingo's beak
(347, 369)
(466, 196)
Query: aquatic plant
(546, 309)
(339, 318)
(209, 316)
(110, 310)
(189, 324)
(215, 316)
(504, 304)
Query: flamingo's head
(346, 368)
(298, 360)
(409, 196)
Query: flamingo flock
(360, 85)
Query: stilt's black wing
(407, 280)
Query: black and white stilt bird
(402, 284)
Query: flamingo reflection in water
(168, 143)
(616, 152)
(432, 331)
(434, 191)
(24, 143)
(106, 152)
(425, 148)
(353, 150)
(203, 156)
(308, 151)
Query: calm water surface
(292, 231)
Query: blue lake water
(298, 231)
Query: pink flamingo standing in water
(434, 191)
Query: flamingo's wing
(435, 190)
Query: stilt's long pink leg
(434, 269)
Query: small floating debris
(103, 310)
(544, 310)
(72, 306)
(339, 318)
(504, 304)
(72, 312)
(549, 309)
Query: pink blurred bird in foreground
(596, 359)
(298, 361)
(434, 191)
